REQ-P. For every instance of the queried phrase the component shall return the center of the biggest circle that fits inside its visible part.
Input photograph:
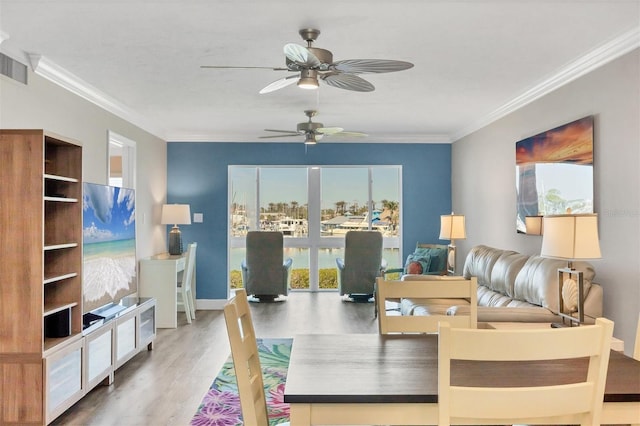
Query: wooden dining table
(372, 379)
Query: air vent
(13, 69)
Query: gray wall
(44, 105)
(483, 179)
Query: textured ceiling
(474, 60)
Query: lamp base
(451, 259)
(175, 241)
(577, 296)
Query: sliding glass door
(313, 207)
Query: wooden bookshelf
(41, 222)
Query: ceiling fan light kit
(310, 139)
(308, 80)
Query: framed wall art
(554, 172)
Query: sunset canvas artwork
(554, 171)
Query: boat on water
(292, 227)
(343, 224)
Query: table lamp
(452, 228)
(571, 237)
(176, 214)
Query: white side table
(159, 279)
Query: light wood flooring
(165, 386)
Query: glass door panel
(243, 199)
(344, 200)
(283, 200)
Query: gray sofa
(512, 287)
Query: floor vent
(13, 69)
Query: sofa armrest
(593, 302)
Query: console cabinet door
(126, 338)
(147, 324)
(63, 379)
(99, 356)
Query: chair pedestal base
(266, 298)
(359, 298)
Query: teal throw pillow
(437, 256)
(424, 261)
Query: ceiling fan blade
(352, 134)
(279, 136)
(294, 132)
(279, 84)
(231, 67)
(329, 130)
(357, 66)
(348, 82)
(301, 55)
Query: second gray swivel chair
(265, 272)
(361, 265)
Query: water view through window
(313, 207)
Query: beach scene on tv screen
(109, 244)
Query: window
(121, 168)
(313, 207)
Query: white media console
(92, 357)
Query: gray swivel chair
(361, 265)
(265, 272)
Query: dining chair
(185, 285)
(246, 360)
(436, 289)
(579, 402)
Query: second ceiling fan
(312, 64)
(312, 132)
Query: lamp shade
(176, 214)
(571, 236)
(452, 227)
(533, 225)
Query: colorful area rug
(221, 404)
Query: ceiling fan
(312, 64)
(312, 132)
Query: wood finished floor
(165, 386)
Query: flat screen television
(109, 245)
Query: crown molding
(69, 81)
(377, 138)
(596, 58)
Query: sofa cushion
(488, 297)
(417, 306)
(537, 281)
(504, 272)
(480, 261)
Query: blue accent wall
(197, 174)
